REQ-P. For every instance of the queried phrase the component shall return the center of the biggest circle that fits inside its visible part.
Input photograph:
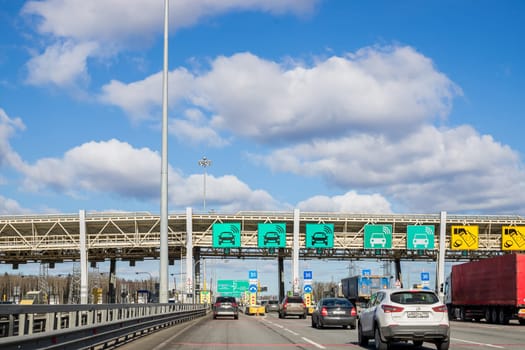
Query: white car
(394, 315)
(378, 239)
(420, 241)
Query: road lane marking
(476, 343)
(290, 331)
(313, 343)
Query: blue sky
(321, 105)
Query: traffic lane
(223, 333)
(473, 335)
(464, 335)
(302, 330)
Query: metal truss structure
(135, 236)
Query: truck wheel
(488, 315)
(522, 321)
(379, 343)
(502, 317)
(462, 314)
(494, 315)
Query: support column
(295, 253)
(83, 258)
(112, 280)
(398, 274)
(197, 274)
(440, 275)
(280, 268)
(189, 254)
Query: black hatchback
(334, 312)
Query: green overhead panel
(319, 235)
(420, 237)
(378, 237)
(226, 235)
(271, 235)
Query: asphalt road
(270, 332)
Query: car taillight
(353, 312)
(217, 304)
(324, 312)
(440, 308)
(234, 304)
(391, 308)
(285, 305)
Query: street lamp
(204, 162)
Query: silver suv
(292, 306)
(404, 314)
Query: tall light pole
(204, 162)
(163, 269)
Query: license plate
(417, 314)
(339, 312)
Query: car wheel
(363, 341)
(236, 317)
(417, 343)
(313, 323)
(379, 343)
(444, 345)
(319, 324)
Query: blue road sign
(366, 272)
(252, 274)
(253, 288)
(425, 276)
(307, 288)
(307, 275)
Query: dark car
(292, 306)
(319, 238)
(226, 237)
(272, 237)
(272, 305)
(226, 306)
(334, 312)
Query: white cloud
(193, 129)
(350, 202)
(381, 90)
(101, 28)
(8, 126)
(62, 64)
(116, 168)
(431, 169)
(10, 207)
(392, 89)
(141, 99)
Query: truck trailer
(359, 289)
(492, 289)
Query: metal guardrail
(86, 326)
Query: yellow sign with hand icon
(464, 237)
(513, 237)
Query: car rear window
(273, 302)
(225, 300)
(337, 302)
(295, 300)
(414, 298)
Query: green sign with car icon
(319, 235)
(226, 235)
(271, 235)
(378, 237)
(420, 237)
